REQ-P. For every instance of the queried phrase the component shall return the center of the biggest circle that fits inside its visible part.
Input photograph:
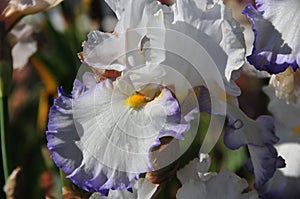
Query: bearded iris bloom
(102, 134)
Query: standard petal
(216, 21)
(103, 50)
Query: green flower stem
(3, 124)
(5, 85)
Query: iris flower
(101, 135)
(276, 43)
(198, 183)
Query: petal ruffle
(103, 144)
(142, 189)
(276, 43)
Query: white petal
(192, 190)
(143, 189)
(189, 172)
(226, 184)
(104, 51)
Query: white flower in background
(25, 46)
(142, 189)
(197, 183)
(286, 181)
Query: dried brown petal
(13, 186)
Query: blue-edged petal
(276, 43)
(101, 142)
(259, 136)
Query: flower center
(136, 100)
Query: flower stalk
(3, 118)
(5, 82)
